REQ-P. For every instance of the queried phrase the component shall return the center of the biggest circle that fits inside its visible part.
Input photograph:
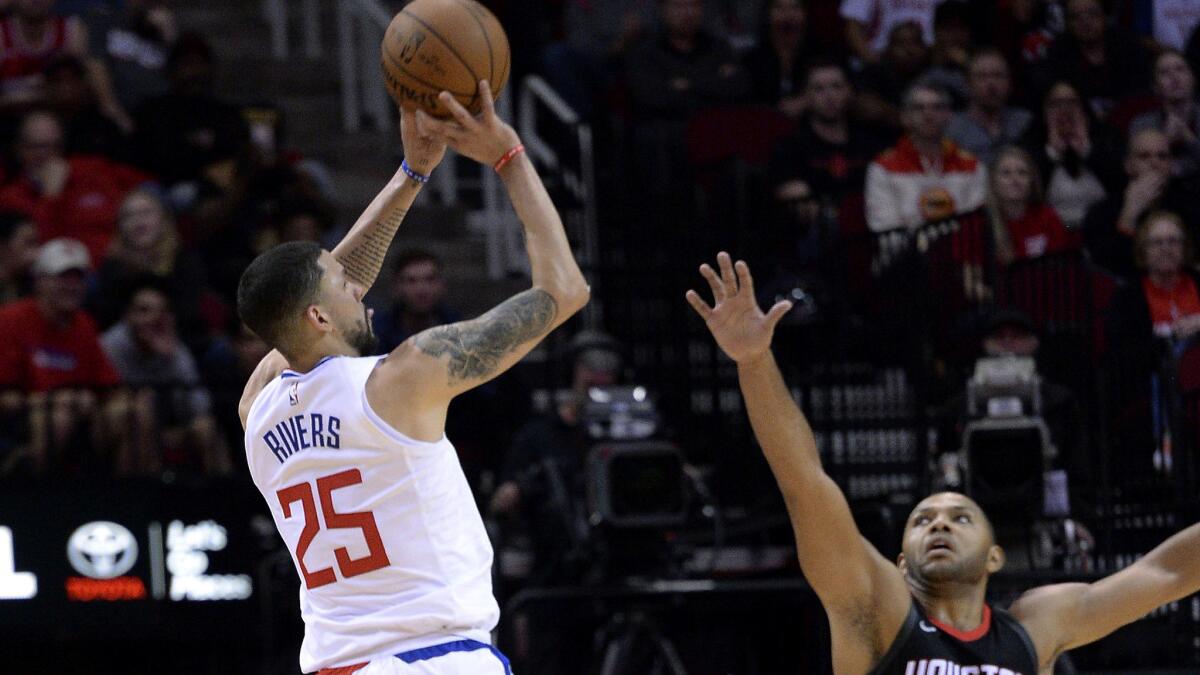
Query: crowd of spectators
(1054, 145)
(1066, 124)
(132, 194)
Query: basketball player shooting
(349, 450)
(925, 614)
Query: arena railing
(123, 431)
(539, 105)
(361, 26)
(275, 13)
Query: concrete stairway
(307, 91)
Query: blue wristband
(408, 171)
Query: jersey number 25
(362, 520)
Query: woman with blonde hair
(1023, 225)
(148, 244)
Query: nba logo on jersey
(294, 393)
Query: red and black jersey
(999, 646)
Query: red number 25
(363, 520)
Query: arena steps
(307, 92)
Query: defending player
(925, 615)
(350, 452)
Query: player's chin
(941, 569)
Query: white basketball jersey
(389, 545)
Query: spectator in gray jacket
(988, 123)
(146, 351)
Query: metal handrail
(361, 25)
(275, 13)
(536, 94)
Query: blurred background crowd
(984, 210)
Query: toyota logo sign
(102, 550)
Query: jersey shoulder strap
(1002, 616)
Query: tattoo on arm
(364, 261)
(476, 347)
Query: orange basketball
(435, 45)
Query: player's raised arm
(449, 360)
(364, 247)
(361, 252)
(1066, 616)
(864, 594)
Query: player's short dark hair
(276, 288)
(412, 256)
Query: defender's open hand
(740, 328)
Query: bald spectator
(1179, 116)
(1110, 225)
(988, 123)
(74, 197)
(925, 177)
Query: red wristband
(516, 150)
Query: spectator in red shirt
(49, 341)
(1160, 311)
(75, 197)
(50, 359)
(1024, 225)
(1163, 251)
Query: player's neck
(959, 606)
(306, 361)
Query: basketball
(436, 45)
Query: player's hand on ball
(423, 150)
(485, 138)
(740, 328)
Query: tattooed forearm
(477, 347)
(365, 257)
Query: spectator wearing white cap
(50, 358)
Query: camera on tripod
(1006, 447)
(631, 480)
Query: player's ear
(996, 558)
(316, 318)
(902, 563)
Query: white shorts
(465, 657)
